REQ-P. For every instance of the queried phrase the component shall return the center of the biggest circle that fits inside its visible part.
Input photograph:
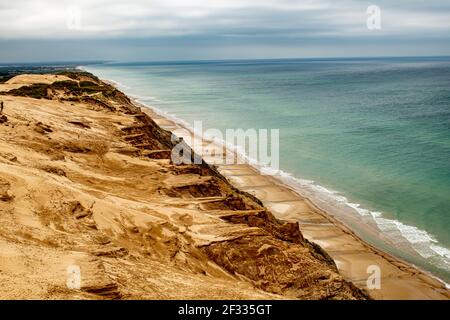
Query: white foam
(419, 240)
(443, 252)
(119, 85)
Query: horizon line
(112, 61)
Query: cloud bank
(162, 18)
(228, 24)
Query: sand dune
(86, 182)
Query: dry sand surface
(86, 182)
(28, 79)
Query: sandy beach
(399, 279)
(86, 182)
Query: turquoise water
(369, 139)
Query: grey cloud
(113, 18)
(207, 29)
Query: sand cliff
(86, 180)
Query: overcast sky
(60, 30)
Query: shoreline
(87, 181)
(367, 224)
(420, 284)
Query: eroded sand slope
(86, 180)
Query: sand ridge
(86, 180)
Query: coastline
(87, 181)
(392, 206)
(399, 279)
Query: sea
(367, 139)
